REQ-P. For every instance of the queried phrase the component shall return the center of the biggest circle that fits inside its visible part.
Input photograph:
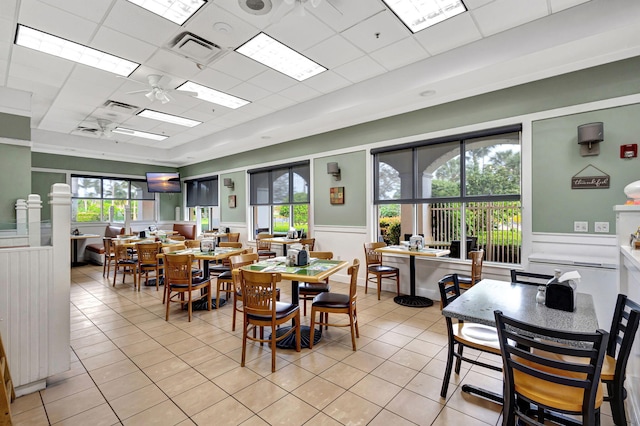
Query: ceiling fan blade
(182, 92)
(137, 91)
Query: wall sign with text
(601, 181)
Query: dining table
(282, 240)
(316, 271)
(75, 238)
(411, 299)
(517, 300)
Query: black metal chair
(535, 374)
(464, 334)
(531, 278)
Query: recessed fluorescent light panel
(421, 14)
(213, 96)
(138, 134)
(276, 55)
(177, 11)
(47, 43)
(168, 118)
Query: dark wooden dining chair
(109, 257)
(336, 303)
(264, 247)
(181, 282)
(624, 327)
(464, 335)
(124, 262)
(533, 373)
(532, 278)
(148, 262)
(307, 291)
(378, 271)
(261, 309)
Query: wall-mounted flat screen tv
(163, 182)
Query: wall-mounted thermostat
(629, 150)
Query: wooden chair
(233, 237)
(178, 238)
(533, 373)
(124, 261)
(377, 269)
(468, 281)
(262, 310)
(307, 291)
(264, 247)
(227, 284)
(334, 303)
(310, 242)
(109, 257)
(192, 244)
(530, 278)
(7, 391)
(232, 244)
(223, 267)
(464, 335)
(179, 279)
(166, 250)
(148, 262)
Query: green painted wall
(556, 159)
(168, 204)
(15, 180)
(41, 184)
(354, 210)
(239, 213)
(15, 126)
(602, 82)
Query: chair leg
(297, 319)
(115, 273)
(459, 360)
(398, 284)
(244, 341)
(447, 370)
(312, 327)
(168, 294)
(304, 304)
(355, 316)
(273, 348)
(379, 285)
(366, 284)
(235, 310)
(352, 328)
(217, 294)
(616, 391)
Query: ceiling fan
(155, 91)
(104, 128)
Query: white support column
(59, 328)
(21, 216)
(127, 219)
(34, 205)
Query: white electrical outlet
(580, 226)
(601, 227)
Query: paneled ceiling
(376, 67)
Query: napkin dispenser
(207, 245)
(416, 242)
(297, 257)
(561, 292)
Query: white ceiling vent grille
(119, 106)
(195, 48)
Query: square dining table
(315, 272)
(517, 300)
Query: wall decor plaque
(581, 181)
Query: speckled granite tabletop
(519, 301)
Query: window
(202, 200)
(280, 198)
(454, 189)
(94, 196)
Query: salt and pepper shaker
(541, 295)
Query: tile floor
(129, 366)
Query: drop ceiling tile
(216, 80)
(333, 52)
(300, 93)
(239, 66)
(43, 17)
(29, 64)
(256, 110)
(376, 32)
(272, 81)
(504, 14)
(474, 4)
(221, 27)
(347, 13)
(449, 34)
(249, 91)
(141, 24)
(121, 45)
(277, 102)
(401, 53)
(558, 5)
(300, 32)
(327, 82)
(93, 10)
(171, 63)
(360, 69)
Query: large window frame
(99, 193)
(280, 197)
(450, 205)
(202, 202)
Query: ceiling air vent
(119, 106)
(195, 48)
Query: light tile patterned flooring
(129, 366)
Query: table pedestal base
(201, 304)
(289, 342)
(413, 301)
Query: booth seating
(95, 251)
(187, 230)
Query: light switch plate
(580, 226)
(601, 227)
